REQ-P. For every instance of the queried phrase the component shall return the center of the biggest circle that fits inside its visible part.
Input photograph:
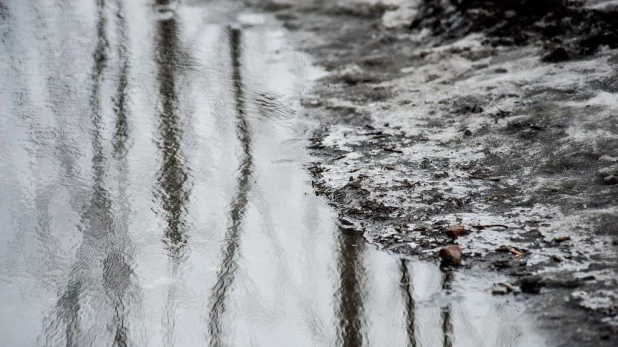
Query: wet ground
(494, 118)
(154, 192)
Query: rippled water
(153, 193)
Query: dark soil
(564, 27)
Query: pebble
(499, 290)
(456, 231)
(557, 55)
(451, 255)
(509, 287)
(562, 238)
(503, 289)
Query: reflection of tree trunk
(227, 270)
(447, 324)
(97, 217)
(408, 299)
(117, 277)
(116, 271)
(172, 174)
(173, 177)
(102, 242)
(350, 295)
(120, 107)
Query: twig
(482, 227)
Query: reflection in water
(121, 133)
(350, 291)
(67, 313)
(116, 276)
(228, 267)
(96, 219)
(173, 175)
(447, 324)
(105, 243)
(116, 271)
(408, 301)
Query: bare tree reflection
(408, 300)
(350, 291)
(116, 270)
(97, 219)
(228, 267)
(447, 324)
(104, 242)
(173, 176)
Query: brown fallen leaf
(516, 252)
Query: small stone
(425, 243)
(354, 74)
(422, 228)
(509, 287)
(456, 231)
(502, 289)
(499, 290)
(589, 278)
(531, 284)
(345, 222)
(557, 55)
(451, 255)
(557, 258)
(560, 239)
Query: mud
(500, 118)
(552, 23)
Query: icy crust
(423, 155)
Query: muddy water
(153, 193)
